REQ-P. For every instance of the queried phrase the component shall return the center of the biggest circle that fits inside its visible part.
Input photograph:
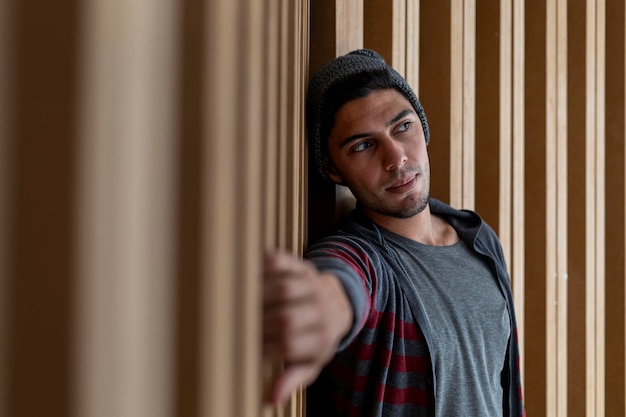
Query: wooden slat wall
(526, 106)
(5, 168)
(150, 152)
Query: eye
(360, 147)
(403, 127)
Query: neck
(424, 227)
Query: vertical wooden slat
(456, 103)
(270, 117)
(551, 208)
(595, 208)
(615, 401)
(518, 137)
(507, 46)
(600, 187)
(126, 204)
(590, 167)
(220, 199)
(250, 145)
(469, 104)
(398, 35)
(576, 114)
(436, 90)
(413, 44)
(269, 151)
(5, 181)
(40, 271)
(561, 206)
(536, 230)
(462, 64)
(189, 209)
(283, 97)
(349, 19)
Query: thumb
(290, 379)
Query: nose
(394, 154)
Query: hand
(305, 315)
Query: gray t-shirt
(469, 323)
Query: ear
(331, 171)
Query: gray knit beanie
(337, 71)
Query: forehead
(370, 113)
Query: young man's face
(377, 148)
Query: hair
(354, 86)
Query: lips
(403, 185)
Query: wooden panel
(188, 259)
(40, 135)
(469, 105)
(493, 124)
(349, 26)
(379, 21)
(220, 224)
(535, 207)
(551, 189)
(595, 208)
(413, 44)
(126, 201)
(456, 103)
(614, 256)
(518, 215)
(561, 207)
(435, 90)
(6, 77)
(399, 35)
(249, 145)
(576, 203)
(462, 104)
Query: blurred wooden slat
(250, 141)
(220, 199)
(127, 202)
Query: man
(407, 307)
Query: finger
(279, 261)
(291, 318)
(287, 288)
(291, 379)
(307, 346)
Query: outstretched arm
(305, 316)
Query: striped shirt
(383, 366)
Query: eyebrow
(397, 117)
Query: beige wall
(151, 150)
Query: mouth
(404, 185)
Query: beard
(414, 206)
(411, 206)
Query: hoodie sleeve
(350, 264)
